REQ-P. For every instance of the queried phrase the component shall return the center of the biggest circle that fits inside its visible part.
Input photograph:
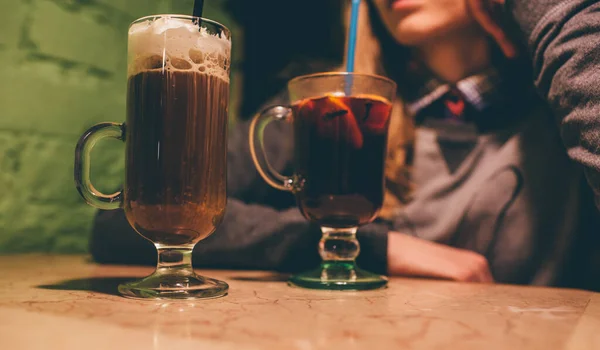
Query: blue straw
(352, 36)
(351, 44)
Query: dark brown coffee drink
(176, 130)
(175, 190)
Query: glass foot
(338, 276)
(174, 286)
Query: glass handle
(257, 148)
(82, 165)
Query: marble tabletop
(67, 302)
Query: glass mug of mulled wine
(340, 123)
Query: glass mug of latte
(340, 123)
(175, 136)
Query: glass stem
(175, 260)
(339, 245)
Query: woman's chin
(412, 38)
(414, 32)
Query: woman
(495, 196)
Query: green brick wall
(62, 69)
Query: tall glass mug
(341, 125)
(175, 137)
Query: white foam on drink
(177, 44)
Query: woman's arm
(251, 236)
(563, 39)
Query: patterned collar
(480, 91)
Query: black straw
(198, 6)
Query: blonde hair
(368, 59)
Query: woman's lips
(402, 4)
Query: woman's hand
(487, 14)
(411, 256)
